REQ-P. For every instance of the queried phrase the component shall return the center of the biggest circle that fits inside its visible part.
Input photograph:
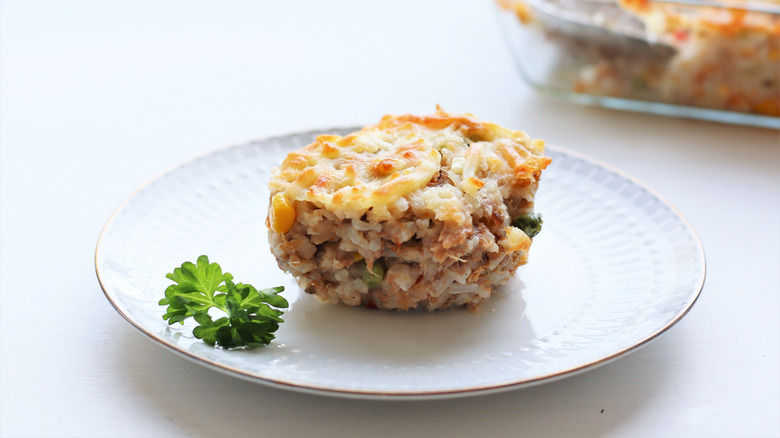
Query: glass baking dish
(714, 60)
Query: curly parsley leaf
(251, 315)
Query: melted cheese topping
(733, 21)
(404, 156)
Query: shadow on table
(200, 402)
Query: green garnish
(530, 223)
(250, 319)
(373, 277)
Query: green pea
(374, 276)
(530, 223)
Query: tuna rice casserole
(414, 212)
(722, 55)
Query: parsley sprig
(250, 319)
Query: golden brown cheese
(729, 57)
(384, 166)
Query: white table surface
(99, 97)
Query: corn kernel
(516, 240)
(523, 13)
(282, 214)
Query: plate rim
(403, 395)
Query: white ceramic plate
(614, 267)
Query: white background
(99, 97)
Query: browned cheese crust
(429, 200)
